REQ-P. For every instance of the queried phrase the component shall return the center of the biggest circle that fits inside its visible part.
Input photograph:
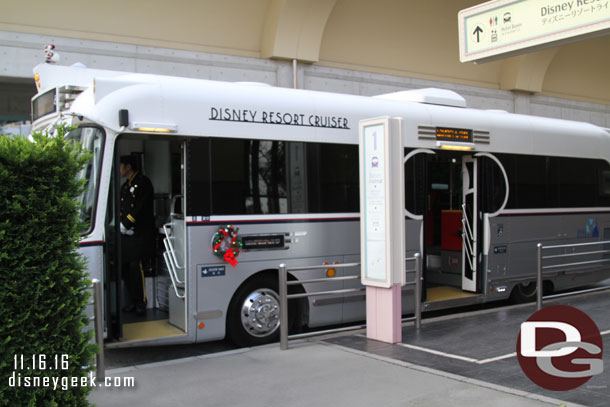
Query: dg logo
(560, 348)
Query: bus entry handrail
(284, 296)
(171, 273)
(169, 246)
(540, 268)
(171, 265)
(171, 262)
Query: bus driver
(137, 230)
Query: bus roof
(196, 107)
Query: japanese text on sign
(508, 27)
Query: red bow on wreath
(229, 257)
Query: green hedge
(42, 277)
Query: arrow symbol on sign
(478, 31)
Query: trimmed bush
(42, 277)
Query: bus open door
(165, 282)
(449, 195)
(470, 223)
(484, 195)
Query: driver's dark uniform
(138, 246)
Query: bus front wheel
(254, 313)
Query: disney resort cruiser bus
(277, 169)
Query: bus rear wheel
(254, 313)
(523, 293)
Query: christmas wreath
(227, 250)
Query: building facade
(345, 46)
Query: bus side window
(248, 176)
(332, 175)
(198, 177)
(556, 182)
(604, 183)
(416, 187)
(493, 188)
(278, 177)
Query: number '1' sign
(382, 221)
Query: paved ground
(308, 374)
(457, 360)
(482, 347)
(124, 357)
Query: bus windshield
(92, 139)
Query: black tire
(524, 292)
(253, 315)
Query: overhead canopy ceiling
(406, 38)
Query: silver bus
(277, 169)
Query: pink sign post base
(384, 314)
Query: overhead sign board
(502, 28)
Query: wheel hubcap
(260, 312)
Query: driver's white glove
(125, 231)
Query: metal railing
(171, 261)
(98, 324)
(468, 237)
(561, 266)
(169, 255)
(284, 296)
(417, 279)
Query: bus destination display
(257, 242)
(451, 134)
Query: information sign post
(382, 225)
